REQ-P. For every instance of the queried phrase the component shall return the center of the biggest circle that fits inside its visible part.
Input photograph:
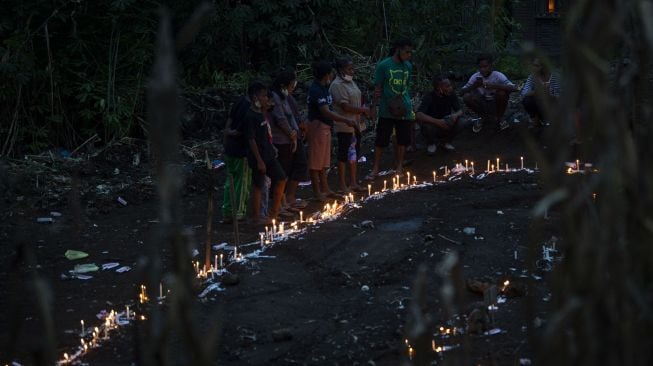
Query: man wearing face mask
(391, 94)
(347, 102)
(440, 115)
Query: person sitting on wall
(486, 93)
(548, 84)
(440, 115)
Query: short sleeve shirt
(257, 126)
(318, 96)
(394, 78)
(348, 92)
(495, 77)
(439, 106)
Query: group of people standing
(265, 140)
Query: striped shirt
(554, 85)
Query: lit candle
(472, 167)
(369, 189)
(351, 197)
(408, 176)
(82, 328)
(161, 290)
(466, 165)
(385, 182)
(106, 328)
(301, 216)
(65, 357)
(488, 165)
(433, 344)
(522, 162)
(414, 179)
(577, 165)
(281, 228)
(434, 176)
(492, 166)
(411, 352)
(127, 311)
(221, 261)
(507, 167)
(498, 165)
(235, 252)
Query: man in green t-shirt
(391, 87)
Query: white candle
(369, 189)
(127, 311)
(385, 182)
(235, 252)
(215, 260)
(301, 216)
(577, 165)
(82, 327)
(160, 290)
(507, 167)
(221, 261)
(414, 179)
(408, 176)
(434, 176)
(492, 166)
(281, 228)
(472, 167)
(488, 165)
(466, 165)
(498, 165)
(522, 162)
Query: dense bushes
(74, 68)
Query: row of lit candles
(110, 323)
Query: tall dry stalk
(172, 335)
(603, 289)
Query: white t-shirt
(495, 77)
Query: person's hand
(260, 165)
(479, 82)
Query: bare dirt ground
(341, 294)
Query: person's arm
(260, 164)
(327, 113)
(502, 84)
(528, 90)
(425, 118)
(475, 81)
(280, 119)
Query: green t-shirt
(394, 78)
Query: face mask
(284, 92)
(348, 77)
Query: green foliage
(71, 69)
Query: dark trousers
(532, 107)
(435, 135)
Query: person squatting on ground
(262, 154)
(347, 102)
(287, 138)
(391, 93)
(548, 84)
(440, 115)
(321, 119)
(235, 150)
(487, 93)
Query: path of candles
(283, 231)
